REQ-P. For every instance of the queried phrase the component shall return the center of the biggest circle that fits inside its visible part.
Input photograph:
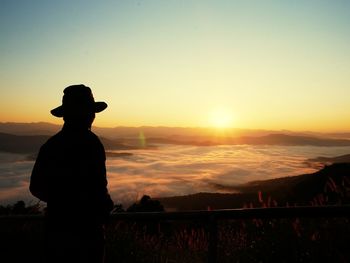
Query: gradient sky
(251, 64)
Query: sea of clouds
(178, 170)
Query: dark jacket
(70, 175)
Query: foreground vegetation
(256, 240)
(297, 240)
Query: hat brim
(98, 107)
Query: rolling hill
(331, 184)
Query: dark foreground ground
(268, 240)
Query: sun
(220, 118)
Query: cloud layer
(178, 170)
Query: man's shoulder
(95, 138)
(54, 138)
(52, 143)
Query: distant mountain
(45, 128)
(330, 160)
(320, 162)
(187, 136)
(132, 132)
(35, 128)
(284, 139)
(21, 144)
(342, 135)
(29, 144)
(111, 144)
(271, 139)
(330, 185)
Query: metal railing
(212, 217)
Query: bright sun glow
(220, 118)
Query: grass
(270, 240)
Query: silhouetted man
(70, 175)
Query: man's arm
(38, 180)
(105, 199)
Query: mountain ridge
(31, 143)
(329, 185)
(46, 128)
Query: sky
(245, 64)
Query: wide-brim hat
(78, 99)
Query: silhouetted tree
(146, 204)
(20, 208)
(118, 208)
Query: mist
(182, 170)
(172, 170)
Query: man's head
(78, 105)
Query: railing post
(213, 239)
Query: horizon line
(188, 127)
